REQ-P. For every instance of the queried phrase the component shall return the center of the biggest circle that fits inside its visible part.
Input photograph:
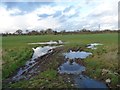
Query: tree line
(51, 31)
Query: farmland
(16, 51)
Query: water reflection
(23, 72)
(49, 43)
(70, 67)
(93, 45)
(82, 81)
(78, 54)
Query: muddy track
(46, 62)
(42, 64)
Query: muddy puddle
(76, 69)
(93, 45)
(71, 68)
(83, 81)
(28, 69)
(49, 43)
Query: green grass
(105, 57)
(13, 59)
(47, 79)
(21, 41)
(16, 52)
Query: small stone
(69, 81)
(118, 85)
(10, 82)
(68, 78)
(108, 80)
(105, 71)
(115, 73)
(47, 80)
(72, 85)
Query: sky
(58, 15)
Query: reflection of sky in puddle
(49, 43)
(93, 45)
(71, 68)
(78, 54)
(38, 52)
(86, 82)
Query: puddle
(78, 54)
(49, 43)
(82, 81)
(38, 52)
(71, 68)
(93, 45)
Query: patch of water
(71, 68)
(82, 81)
(38, 52)
(93, 45)
(49, 43)
(78, 54)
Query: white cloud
(9, 23)
(90, 14)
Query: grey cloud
(68, 9)
(57, 14)
(44, 15)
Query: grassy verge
(103, 64)
(13, 59)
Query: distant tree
(19, 31)
(83, 30)
(33, 32)
(78, 31)
(63, 31)
(27, 31)
(49, 31)
(42, 32)
(55, 32)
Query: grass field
(16, 52)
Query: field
(16, 51)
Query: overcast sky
(59, 15)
